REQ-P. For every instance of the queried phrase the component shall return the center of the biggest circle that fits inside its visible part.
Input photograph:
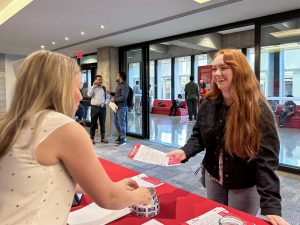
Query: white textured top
(31, 193)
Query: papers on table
(146, 154)
(92, 214)
(213, 216)
(145, 181)
(113, 106)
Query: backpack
(130, 103)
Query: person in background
(79, 115)
(192, 97)
(120, 99)
(137, 97)
(237, 130)
(98, 108)
(178, 103)
(288, 110)
(44, 153)
(86, 101)
(203, 91)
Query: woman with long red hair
(237, 129)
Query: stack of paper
(92, 214)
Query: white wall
(10, 76)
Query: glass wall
(182, 73)
(164, 79)
(134, 75)
(280, 81)
(152, 81)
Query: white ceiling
(126, 21)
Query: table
(176, 205)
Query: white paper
(213, 216)
(145, 181)
(150, 155)
(92, 214)
(210, 218)
(152, 222)
(113, 106)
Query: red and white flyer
(144, 180)
(146, 154)
(213, 217)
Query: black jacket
(208, 134)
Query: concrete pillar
(108, 67)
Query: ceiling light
(10, 8)
(66, 38)
(286, 33)
(201, 1)
(82, 33)
(102, 27)
(278, 48)
(42, 46)
(53, 42)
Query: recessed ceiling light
(66, 38)
(102, 27)
(9, 8)
(53, 42)
(82, 33)
(286, 33)
(201, 1)
(42, 46)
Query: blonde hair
(244, 119)
(44, 82)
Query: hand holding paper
(150, 155)
(113, 106)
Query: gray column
(108, 67)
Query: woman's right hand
(142, 196)
(178, 153)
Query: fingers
(180, 154)
(143, 196)
(131, 183)
(277, 220)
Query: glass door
(137, 117)
(88, 72)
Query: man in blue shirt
(120, 99)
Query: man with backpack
(120, 99)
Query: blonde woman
(44, 153)
(237, 129)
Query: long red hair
(243, 134)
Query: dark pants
(120, 122)
(98, 112)
(192, 108)
(284, 115)
(174, 108)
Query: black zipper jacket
(208, 134)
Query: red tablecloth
(176, 205)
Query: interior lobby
(160, 44)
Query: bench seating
(165, 110)
(293, 121)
